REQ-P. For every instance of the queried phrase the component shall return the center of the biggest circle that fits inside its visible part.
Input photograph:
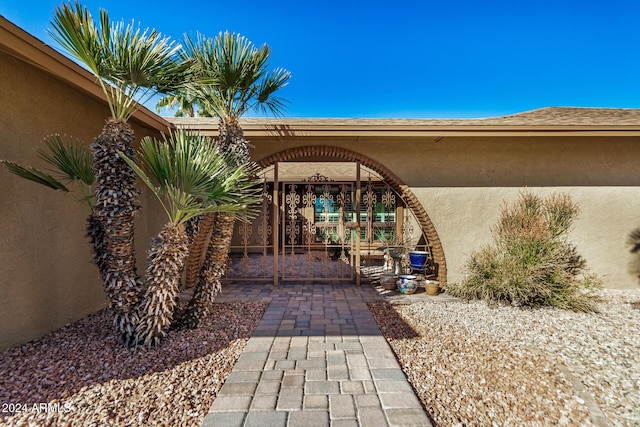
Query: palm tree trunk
(220, 229)
(211, 272)
(95, 232)
(165, 261)
(199, 229)
(115, 206)
(231, 140)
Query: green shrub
(530, 262)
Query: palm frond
(266, 102)
(70, 158)
(232, 76)
(76, 31)
(35, 175)
(184, 103)
(131, 64)
(190, 176)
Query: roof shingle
(543, 117)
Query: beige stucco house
(448, 179)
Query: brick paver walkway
(317, 358)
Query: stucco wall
(47, 278)
(463, 218)
(463, 182)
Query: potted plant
(388, 278)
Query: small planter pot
(432, 287)
(418, 259)
(388, 281)
(407, 284)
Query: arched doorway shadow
(342, 154)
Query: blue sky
(414, 59)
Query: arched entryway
(298, 209)
(317, 152)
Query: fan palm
(130, 65)
(189, 176)
(183, 102)
(232, 79)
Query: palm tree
(183, 102)
(232, 79)
(190, 176)
(130, 65)
(70, 162)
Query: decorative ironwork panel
(309, 226)
(344, 201)
(265, 229)
(388, 198)
(369, 200)
(317, 178)
(292, 200)
(316, 230)
(309, 202)
(245, 231)
(250, 258)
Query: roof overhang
(397, 128)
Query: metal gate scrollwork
(265, 229)
(309, 228)
(250, 256)
(316, 231)
(320, 229)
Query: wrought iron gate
(319, 219)
(319, 229)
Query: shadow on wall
(633, 242)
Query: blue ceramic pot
(407, 284)
(418, 259)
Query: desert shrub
(530, 261)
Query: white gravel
(474, 365)
(80, 376)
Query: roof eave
(281, 128)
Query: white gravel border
(508, 366)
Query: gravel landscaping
(79, 376)
(470, 364)
(473, 365)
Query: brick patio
(317, 358)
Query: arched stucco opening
(337, 153)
